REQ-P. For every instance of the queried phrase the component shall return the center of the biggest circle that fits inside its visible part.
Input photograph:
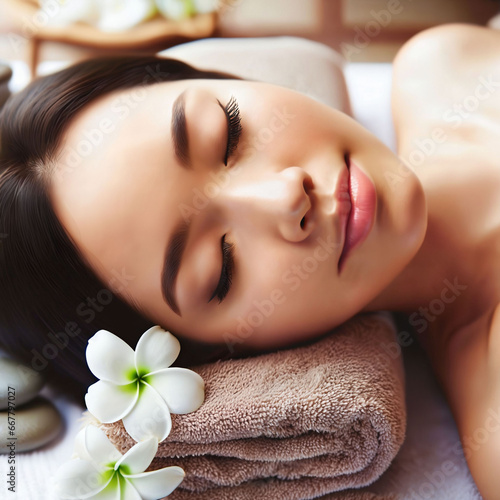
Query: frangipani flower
(121, 15)
(66, 12)
(106, 15)
(138, 387)
(181, 9)
(176, 9)
(204, 6)
(101, 472)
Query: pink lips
(360, 219)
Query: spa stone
(20, 383)
(33, 425)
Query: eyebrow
(172, 262)
(179, 131)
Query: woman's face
(247, 252)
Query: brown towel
(296, 424)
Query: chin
(396, 240)
(415, 222)
(404, 215)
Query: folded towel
(295, 424)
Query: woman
(155, 181)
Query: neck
(442, 275)
(422, 280)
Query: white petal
(99, 447)
(183, 390)
(158, 483)
(80, 450)
(110, 358)
(156, 349)
(174, 9)
(149, 417)
(120, 15)
(109, 402)
(69, 12)
(128, 491)
(203, 6)
(111, 492)
(78, 479)
(138, 458)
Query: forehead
(102, 159)
(116, 171)
(117, 129)
(124, 113)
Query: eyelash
(226, 275)
(234, 129)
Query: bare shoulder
(448, 43)
(471, 380)
(436, 69)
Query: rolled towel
(294, 424)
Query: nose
(281, 201)
(293, 204)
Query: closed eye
(234, 128)
(226, 275)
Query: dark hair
(51, 302)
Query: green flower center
(139, 376)
(117, 479)
(113, 484)
(123, 469)
(190, 8)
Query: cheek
(402, 213)
(290, 126)
(290, 301)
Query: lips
(358, 222)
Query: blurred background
(38, 35)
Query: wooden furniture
(153, 35)
(361, 30)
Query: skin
(437, 222)
(123, 202)
(461, 180)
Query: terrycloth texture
(295, 424)
(267, 490)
